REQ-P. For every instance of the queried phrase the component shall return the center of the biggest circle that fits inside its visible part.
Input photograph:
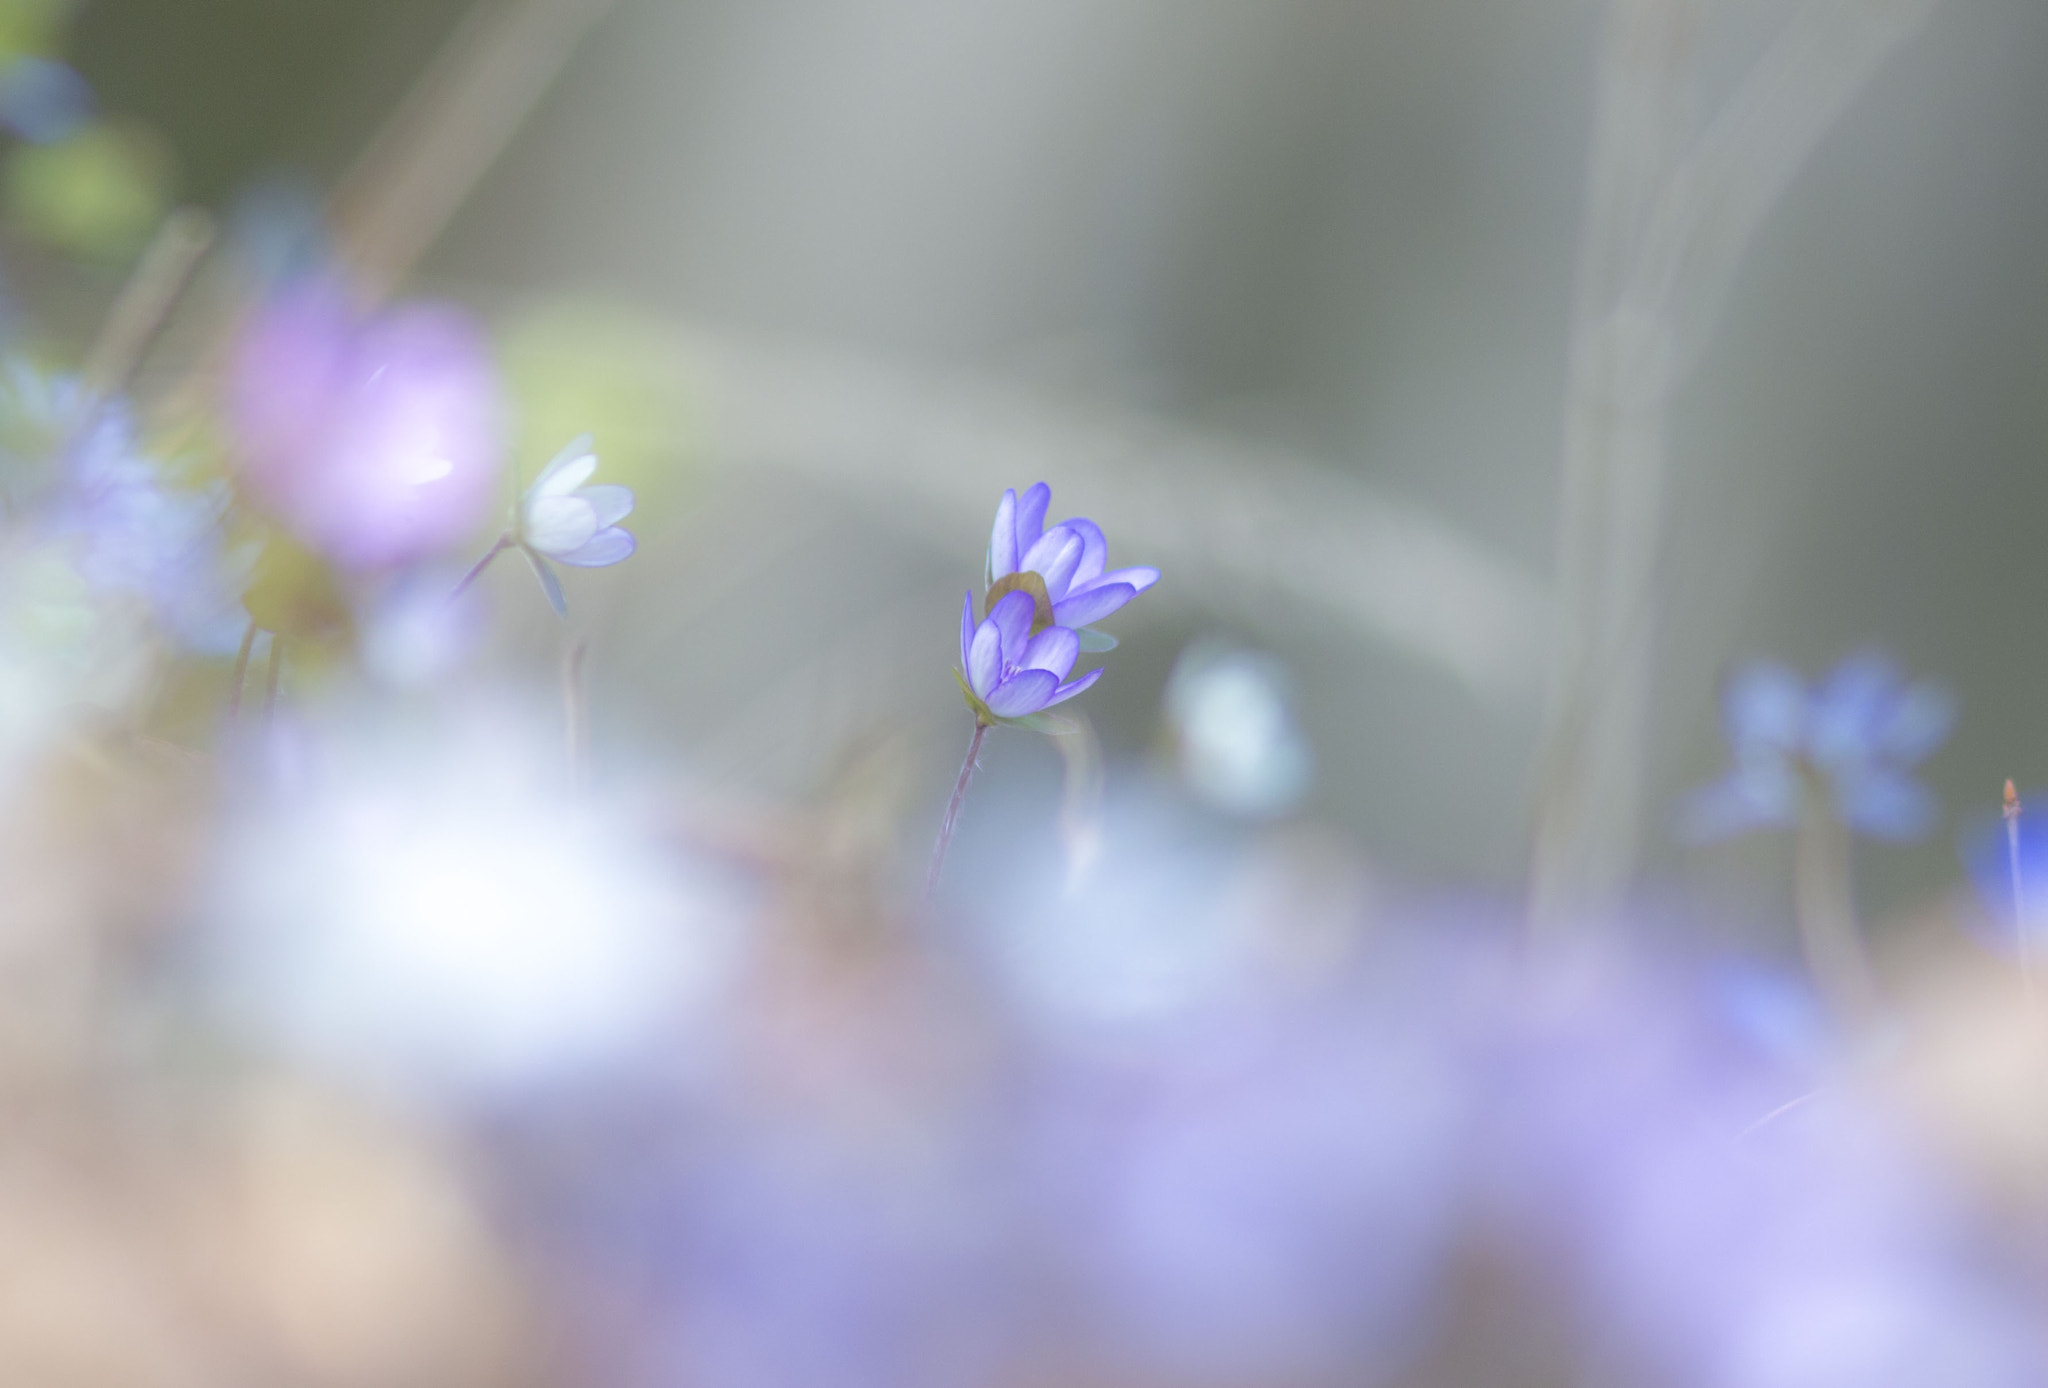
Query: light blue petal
(602, 550)
(966, 627)
(1081, 609)
(1918, 723)
(1031, 518)
(612, 503)
(1094, 551)
(1886, 805)
(1053, 558)
(1055, 649)
(1012, 617)
(1022, 693)
(549, 584)
(1764, 707)
(1747, 800)
(1002, 540)
(1073, 687)
(985, 657)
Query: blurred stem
(967, 770)
(576, 712)
(1826, 908)
(1080, 823)
(160, 277)
(240, 679)
(272, 677)
(476, 570)
(2022, 925)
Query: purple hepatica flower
(1062, 568)
(374, 440)
(1012, 674)
(43, 101)
(1857, 737)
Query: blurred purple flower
(559, 518)
(1068, 560)
(1010, 673)
(43, 101)
(374, 440)
(1858, 735)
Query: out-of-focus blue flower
(1068, 560)
(1858, 735)
(42, 100)
(562, 519)
(1234, 735)
(1011, 674)
(375, 440)
(72, 469)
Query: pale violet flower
(564, 518)
(1010, 673)
(1065, 566)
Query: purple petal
(1073, 687)
(1139, 577)
(1764, 708)
(1022, 693)
(1012, 616)
(1002, 541)
(985, 658)
(612, 503)
(1031, 519)
(1094, 551)
(1918, 723)
(1055, 649)
(966, 627)
(1084, 609)
(1886, 805)
(605, 548)
(549, 584)
(1053, 558)
(1753, 798)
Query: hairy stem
(967, 770)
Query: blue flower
(1857, 737)
(1010, 673)
(1062, 568)
(562, 519)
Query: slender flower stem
(1827, 912)
(271, 678)
(2022, 925)
(504, 543)
(240, 679)
(576, 713)
(967, 770)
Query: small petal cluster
(1855, 738)
(375, 440)
(1045, 587)
(1012, 673)
(1063, 567)
(563, 519)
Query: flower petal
(1011, 617)
(1755, 797)
(558, 524)
(985, 658)
(966, 627)
(1024, 692)
(1054, 559)
(1092, 606)
(549, 584)
(1886, 805)
(1094, 551)
(602, 550)
(1031, 519)
(1140, 577)
(1073, 687)
(570, 469)
(1917, 724)
(1763, 710)
(1002, 541)
(612, 503)
(1055, 649)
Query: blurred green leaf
(97, 194)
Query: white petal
(570, 469)
(559, 524)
